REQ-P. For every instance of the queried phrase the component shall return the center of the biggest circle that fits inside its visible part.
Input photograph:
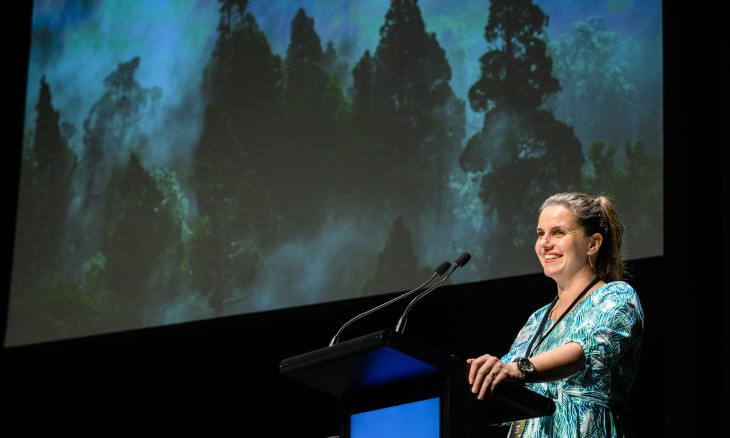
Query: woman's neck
(569, 292)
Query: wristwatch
(525, 366)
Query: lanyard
(547, 314)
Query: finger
(480, 376)
(473, 369)
(488, 385)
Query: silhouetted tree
(411, 119)
(362, 92)
(316, 113)
(43, 297)
(144, 249)
(335, 65)
(46, 192)
(236, 159)
(243, 78)
(524, 152)
(108, 131)
(235, 214)
(397, 267)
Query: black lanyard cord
(547, 314)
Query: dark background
(222, 375)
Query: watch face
(525, 366)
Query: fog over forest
(185, 162)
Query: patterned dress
(608, 324)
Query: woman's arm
(487, 371)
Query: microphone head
(463, 259)
(443, 267)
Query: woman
(582, 350)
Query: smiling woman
(583, 349)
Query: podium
(390, 381)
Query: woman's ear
(595, 243)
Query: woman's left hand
(487, 371)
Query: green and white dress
(608, 324)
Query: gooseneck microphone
(460, 261)
(443, 267)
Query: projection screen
(187, 160)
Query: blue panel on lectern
(382, 367)
(419, 419)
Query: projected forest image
(188, 160)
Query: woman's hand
(487, 371)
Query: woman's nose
(545, 242)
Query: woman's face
(561, 244)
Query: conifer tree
(524, 152)
(46, 192)
(316, 113)
(236, 158)
(411, 119)
(144, 248)
(397, 266)
(108, 128)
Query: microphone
(460, 261)
(440, 269)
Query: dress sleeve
(609, 328)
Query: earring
(590, 262)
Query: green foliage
(174, 198)
(144, 244)
(56, 310)
(176, 202)
(91, 272)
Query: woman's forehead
(555, 215)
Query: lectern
(386, 381)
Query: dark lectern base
(386, 369)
